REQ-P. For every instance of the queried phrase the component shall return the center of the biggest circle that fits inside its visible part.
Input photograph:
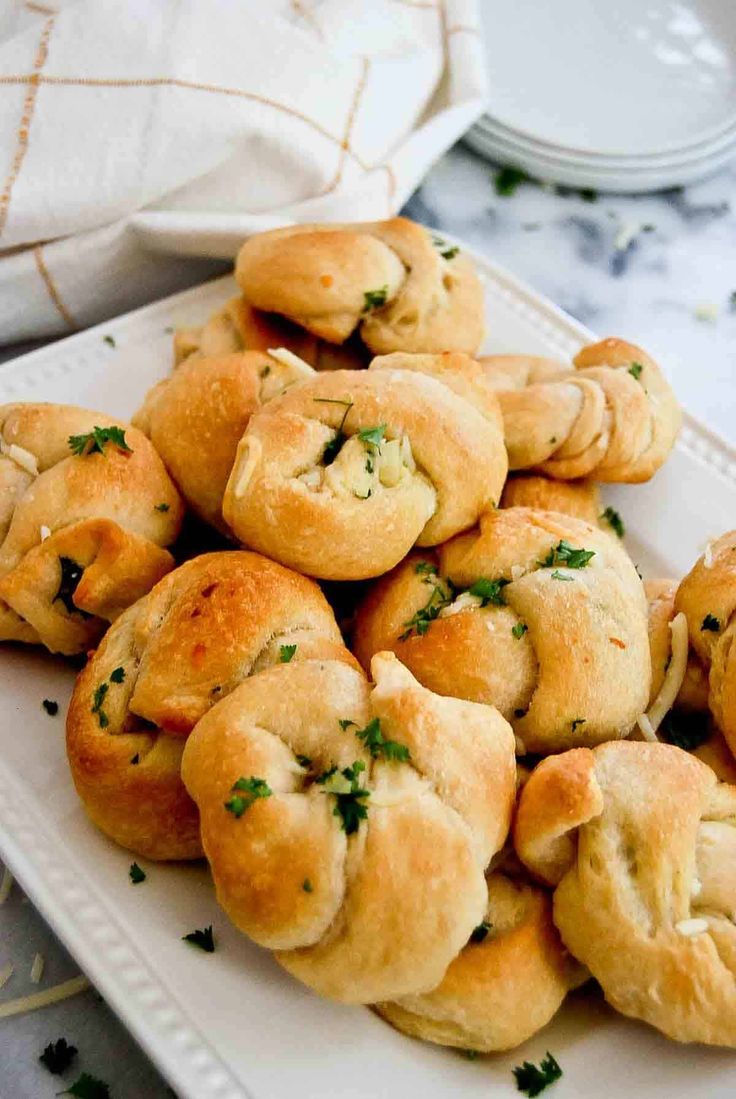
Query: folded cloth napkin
(137, 132)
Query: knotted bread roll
(505, 984)
(348, 828)
(537, 613)
(85, 509)
(236, 326)
(403, 289)
(196, 417)
(578, 498)
(203, 629)
(340, 476)
(707, 596)
(640, 842)
(613, 417)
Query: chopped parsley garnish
(117, 675)
(519, 630)
(469, 1054)
(162, 507)
(98, 700)
(557, 575)
(374, 299)
(489, 591)
(71, 574)
(532, 1080)
(447, 251)
(95, 440)
(203, 938)
(588, 194)
(57, 1056)
(377, 744)
(480, 932)
(50, 706)
(373, 436)
(614, 520)
(304, 761)
(577, 721)
(335, 444)
(685, 730)
(246, 791)
(136, 874)
(109, 340)
(88, 1087)
(425, 568)
(349, 794)
(635, 370)
(508, 179)
(420, 621)
(565, 554)
(307, 886)
(711, 623)
(345, 723)
(286, 652)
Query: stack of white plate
(619, 95)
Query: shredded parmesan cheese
(6, 973)
(245, 465)
(691, 927)
(20, 456)
(464, 602)
(282, 355)
(312, 478)
(45, 533)
(668, 692)
(43, 999)
(6, 884)
(37, 969)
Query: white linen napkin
(137, 132)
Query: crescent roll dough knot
(81, 527)
(505, 984)
(237, 326)
(340, 476)
(404, 290)
(613, 417)
(640, 840)
(580, 499)
(196, 418)
(537, 613)
(362, 822)
(707, 596)
(203, 629)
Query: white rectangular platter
(232, 1024)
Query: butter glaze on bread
(380, 911)
(104, 517)
(640, 842)
(386, 278)
(207, 626)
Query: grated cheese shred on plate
(668, 692)
(36, 1000)
(6, 884)
(20, 456)
(37, 969)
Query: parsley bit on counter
(203, 938)
(136, 874)
(88, 1087)
(109, 340)
(51, 707)
(532, 1080)
(57, 1056)
(508, 179)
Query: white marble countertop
(656, 269)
